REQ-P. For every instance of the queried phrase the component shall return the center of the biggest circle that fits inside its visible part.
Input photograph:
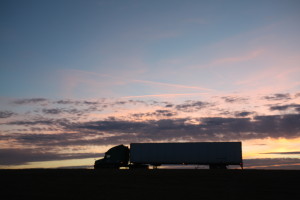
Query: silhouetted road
(149, 184)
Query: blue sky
(152, 41)
(208, 59)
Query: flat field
(149, 184)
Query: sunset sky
(78, 77)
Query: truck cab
(114, 158)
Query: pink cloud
(241, 58)
(172, 85)
(166, 95)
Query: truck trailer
(218, 155)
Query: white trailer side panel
(187, 153)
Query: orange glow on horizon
(258, 148)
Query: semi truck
(217, 155)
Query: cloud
(63, 140)
(23, 156)
(67, 102)
(56, 111)
(169, 105)
(225, 112)
(166, 95)
(287, 126)
(230, 99)
(6, 114)
(272, 163)
(101, 103)
(114, 131)
(40, 121)
(32, 123)
(173, 85)
(243, 114)
(214, 128)
(52, 111)
(289, 152)
(286, 107)
(30, 101)
(278, 97)
(191, 106)
(165, 113)
(157, 113)
(79, 103)
(246, 57)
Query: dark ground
(149, 184)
